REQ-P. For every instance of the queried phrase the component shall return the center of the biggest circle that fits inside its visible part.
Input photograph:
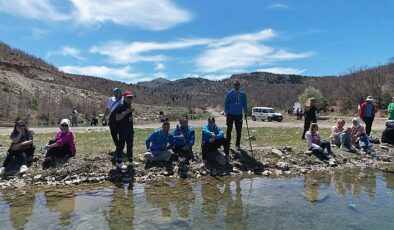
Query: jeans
(157, 155)
(237, 119)
(344, 139)
(363, 142)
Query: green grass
(100, 143)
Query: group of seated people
(181, 142)
(347, 139)
(21, 151)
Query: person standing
(390, 110)
(310, 114)
(235, 101)
(184, 138)
(74, 118)
(125, 130)
(113, 103)
(367, 113)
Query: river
(346, 199)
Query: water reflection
(352, 181)
(61, 202)
(121, 214)
(20, 207)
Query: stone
(266, 173)
(282, 166)
(37, 177)
(277, 152)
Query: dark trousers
(187, 154)
(368, 124)
(237, 119)
(114, 132)
(307, 124)
(58, 152)
(320, 153)
(126, 136)
(17, 157)
(209, 147)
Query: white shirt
(111, 103)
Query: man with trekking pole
(235, 101)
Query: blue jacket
(206, 133)
(189, 136)
(158, 141)
(235, 101)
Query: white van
(266, 113)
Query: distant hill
(154, 83)
(31, 87)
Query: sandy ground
(378, 124)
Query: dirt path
(378, 124)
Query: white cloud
(124, 74)
(159, 66)
(67, 51)
(282, 70)
(278, 6)
(39, 9)
(207, 76)
(147, 14)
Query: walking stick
(250, 141)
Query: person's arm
(390, 108)
(334, 133)
(220, 133)
(310, 144)
(192, 139)
(29, 140)
(170, 141)
(227, 103)
(106, 112)
(245, 103)
(362, 110)
(16, 138)
(149, 140)
(120, 116)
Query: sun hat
(65, 121)
(369, 98)
(128, 94)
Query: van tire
(253, 118)
(269, 119)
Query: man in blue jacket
(236, 100)
(158, 144)
(184, 138)
(212, 139)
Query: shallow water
(349, 199)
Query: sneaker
(121, 167)
(2, 171)
(344, 148)
(332, 162)
(133, 164)
(23, 169)
(363, 151)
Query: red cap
(128, 94)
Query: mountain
(30, 87)
(154, 83)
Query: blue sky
(139, 40)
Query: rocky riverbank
(264, 161)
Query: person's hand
(181, 136)
(213, 135)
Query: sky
(140, 40)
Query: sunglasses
(21, 125)
(64, 125)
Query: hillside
(31, 87)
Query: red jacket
(363, 106)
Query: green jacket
(390, 110)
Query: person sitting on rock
(359, 136)
(317, 146)
(341, 136)
(212, 139)
(388, 133)
(158, 144)
(184, 138)
(21, 149)
(62, 146)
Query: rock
(37, 177)
(277, 152)
(303, 170)
(282, 166)
(266, 173)
(383, 147)
(252, 138)
(278, 172)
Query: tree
(310, 92)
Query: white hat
(369, 98)
(65, 121)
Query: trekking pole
(250, 141)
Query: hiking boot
(332, 162)
(2, 171)
(133, 164)
(23, 169)
(121, 167)
(344, 148)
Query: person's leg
(8, 159)
(326, 145)
(208, 147)
(129, 145)
(223, 142)
(306, 127)
(368, 125)
(114, 132)
(238, 128)
(121, 143)
(21, 158)
(229, 123)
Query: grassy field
(100, 143)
